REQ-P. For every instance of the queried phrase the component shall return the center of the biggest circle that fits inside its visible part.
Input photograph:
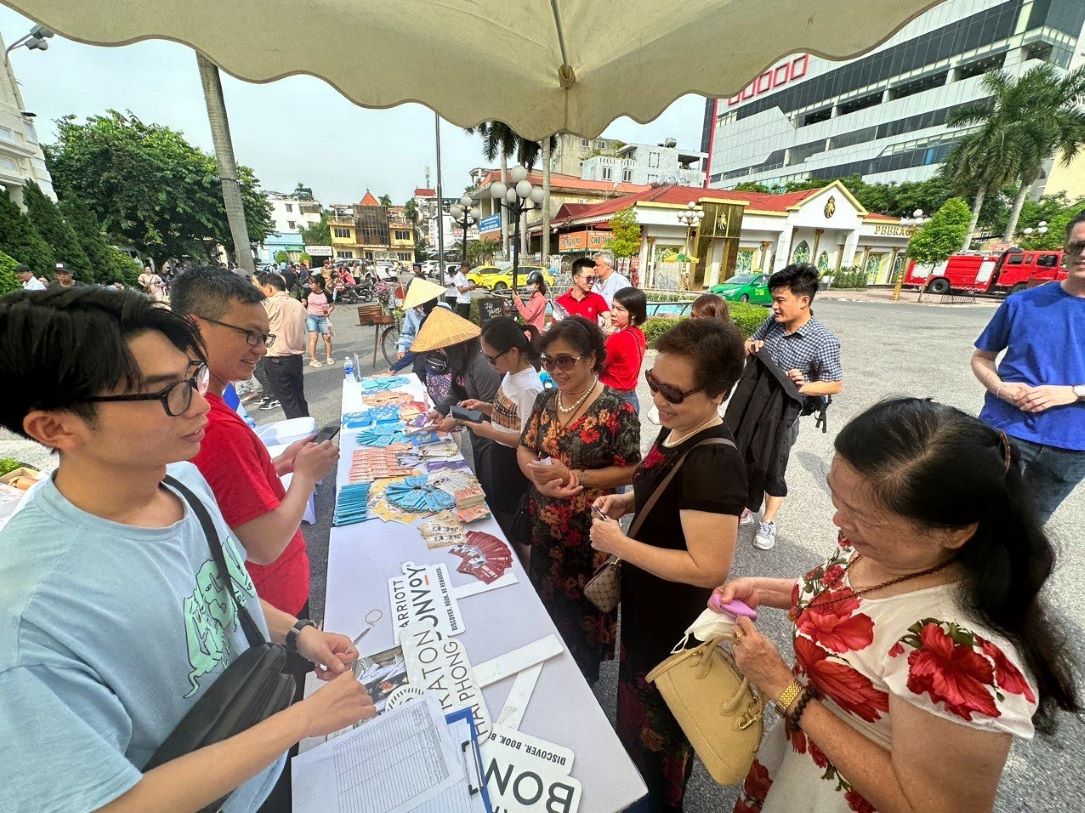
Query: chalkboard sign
(489, 308)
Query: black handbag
(251, 689)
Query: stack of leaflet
(383, 383)
(471, 504)
(417, 494)
(351, 504)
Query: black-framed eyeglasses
(563, 361)
(493, 359)
(253, 337)
(671, 394)
(175, 398)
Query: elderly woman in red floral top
(922, 646)
(581, 441)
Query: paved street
(889, 349)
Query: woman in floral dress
(581, 442)
(922, 646)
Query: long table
(563, 709)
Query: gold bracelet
(788, 697)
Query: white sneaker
(765, 539)
(747, 517)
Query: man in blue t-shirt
(114, 618)
(1036, 394)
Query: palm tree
(1023, 122)
(1054, 128)
(224, 154)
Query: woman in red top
(626, 345)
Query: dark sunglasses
(253, 337)
(588, 278)
(563, 361)
(671, 394)
(175, 398)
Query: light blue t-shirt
(1043, 333)
(108, 635)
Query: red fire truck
(1007, 273)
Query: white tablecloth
(563, 710)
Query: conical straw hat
(443, 328)
(422, 290)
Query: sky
(295, 129)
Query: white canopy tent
(540, 66)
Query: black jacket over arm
(762, 409)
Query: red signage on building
(773, 78)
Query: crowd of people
(920, 648)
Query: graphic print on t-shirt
(210, 614)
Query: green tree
(480, 251)
(305, 258)
(385, 200)
(625, 234)
(19, 239)
(123, 268)
(88, 231)
(318, 234)
(8, 281)
(942, 234)
(281, 256)
(149, 187)
(410, 211)
(55, 231)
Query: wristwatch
(1079, 391)
(291, 641)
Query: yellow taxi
(500, 279)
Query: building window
(744, 260)
(346, 255)
(291, 225)
(606, 173)
(289, 207)
(802, 253)
(403, 235)
(584, 142)
(341, 232)
(600, 144)
(627, 175)
(404, 255)
(653, 159)
(823, 262)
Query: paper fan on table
(383, 383)
(381, 435)
(419, 495)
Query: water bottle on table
(348, 367)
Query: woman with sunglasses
(684, 543)
(581, 442)
(626, 345)
(510, 349)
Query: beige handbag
(604, 588)
(717, 708)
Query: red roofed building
(739, 232)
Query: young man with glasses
(580, 300)
(233, 324)
(1036, 394)
(116, 619)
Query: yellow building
(343, 231)
(369, 231)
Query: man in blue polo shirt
(1036, 394)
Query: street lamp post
(917, 219)
(464, 214)
(36, 40)
(690, 218)
(516, 199)
(1039, 231)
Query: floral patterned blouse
(920, 647)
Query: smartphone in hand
(327, 433)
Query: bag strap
(252, 632)
(666, 481)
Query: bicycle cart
(386, 333)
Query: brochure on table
(503, 629)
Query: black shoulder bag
(251, 689)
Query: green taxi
(745, 288)
(500, 279)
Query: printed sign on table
(527, 774)
(439, 665)
(423, 596)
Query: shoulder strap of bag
(252, 632)
(666, 481)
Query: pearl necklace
(566, 410)
(672, 441)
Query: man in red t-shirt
(580, 300)
(234, 461)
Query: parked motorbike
(353, 294)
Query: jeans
(630, 397)
(287, 384)
(1050, 474)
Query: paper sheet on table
(395, 763)
(458, 798)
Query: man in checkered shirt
(799, 344)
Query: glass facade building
(883, 115)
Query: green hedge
(747, 317)
(8, 280)
(850, 278)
